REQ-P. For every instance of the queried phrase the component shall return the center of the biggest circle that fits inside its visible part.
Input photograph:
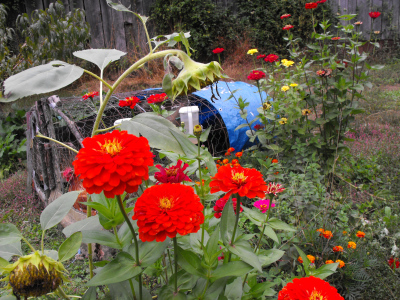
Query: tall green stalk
(236, 223)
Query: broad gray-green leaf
(121, 268)
(70, 247)
(278, 224)
(58, 209)
(242, 249)
(8, 251)
(87, 224)
(101, 237)
(270, 256)
(227, 223)
(100, 57)
(3, 262)
(234, 290)
(149, 252)
(8, 297)
(234, 268)
(121, 7)
(90, 294)
(9, 234)
(41, 79)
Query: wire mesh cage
(70, 120)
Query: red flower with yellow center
(287, 27)
(285, 16)
(238, 180)
(166, 210)
(129, 102)
(335, 38)
(90, 95)
(311, 5)
(256, 75)
(157, 98)
(272, 57)
(309, 288)
(337, 249)
(172, 174)
(220, 204)
(261, 56)
(115, 163)
(231, 149)
(327, 234)
(360, 234)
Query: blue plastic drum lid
(230, 112)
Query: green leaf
(234, 290)
(118, 291)
(227, 223)
(186, 281)
(41, 79)
(9, 234)
(234, 268)
(8, 251)
(87, 224)
(241, 126)
(204, 134)
(101, 237)
(306, 261)
(270, 256)
(100, 57)
(167, 292)
(121, 7)
(242, 249)
(325, 271)
(268, 231)
(190, 262)
(123, 267)
(90, 294)
(149, 252)
(254, 215)
(8, 297)
(187, 146)
(70, 247)
(3, 262)
(156, 130)
(278, 224)
(57, 210)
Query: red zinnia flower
(114, 162)
(274, 161)
(238, 180)
(321, 1)
(157, 98)
(394, 262)
(311, 5)
(231, 149)
(172, 174)
(220, 204)
(258, 127)
(285, 16)
(68, 174)
(271, 58)
(218, 50)
(256, 75)
(287, 27)
(90, 95)
(335, 38)
(166, 210)
(308, 288)
(129, 101)
(374, 14)
(261, 56)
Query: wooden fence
(121, 30)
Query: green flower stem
(101, 87)
(132, 289)
(62, 293)
(176, 264)
(90, 250)
(107, 129)
(121, 207)
(98, 78)
(170, 261)
(39, 135)
(116, 234)
(236, 223)
(135, 66)
(201, 189)
(29, 245)
(42, 241)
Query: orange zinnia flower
(239, 154)
(166, 210)
(227, 153)
(341, 263)
(311, 258)
(338, 249)
(351, 245)
(329, 261)
(231, 149)
(238, 180)
(235, 161)
(114, 162)
(360, 234)
(274, 161)
(300, 260)
(327, 234)
(308, 288)
(225, 161)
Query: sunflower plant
(170, 229)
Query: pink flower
(218, 50)
(220, 204)
(172, 174)
(263, 205)
(274, 188)
(68, 174)
(285, 16)
(222, 255)
(258, 127)
(287, 27)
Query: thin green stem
(176, 264)
(170, 261)
(42, 242)
(236, 223)
(39, 135)
(138, 64)
(132, 289)
(121, 207)
(62, 293)
(201, 189)
(29, 245)
(116, 234)
(101, 87)
(98, 78)
(107, 129)
(88, 215)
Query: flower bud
(197, 130)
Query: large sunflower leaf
(100, 57)
(41, 79)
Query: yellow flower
(351, 245)
(306, 112)
(285, 88)
(283, 121)
(266, 105)
(293, 84)
(252, 51)
(287, 63)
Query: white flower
(394, 250)
(384, 232)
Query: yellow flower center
(165, 203)
(239, 178)
(264, 206)
(171, 172)
(111, 147)
(315, 295)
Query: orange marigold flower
(239, 154)
(344, 232)
(235, 161)
(309, 288)
(300, 260)
(231, 149)
(276, 173)
(311, 258)
(114, 162)
(341, 263)
(360, 234)
(166, 210)
(351, 245)
(274, 161)
(217, 165)
(338, 249)
(238, 180)
(327, 234)
(225, 161)
(321, 231)
(329, 261)
(227, 153)
(236, 165)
